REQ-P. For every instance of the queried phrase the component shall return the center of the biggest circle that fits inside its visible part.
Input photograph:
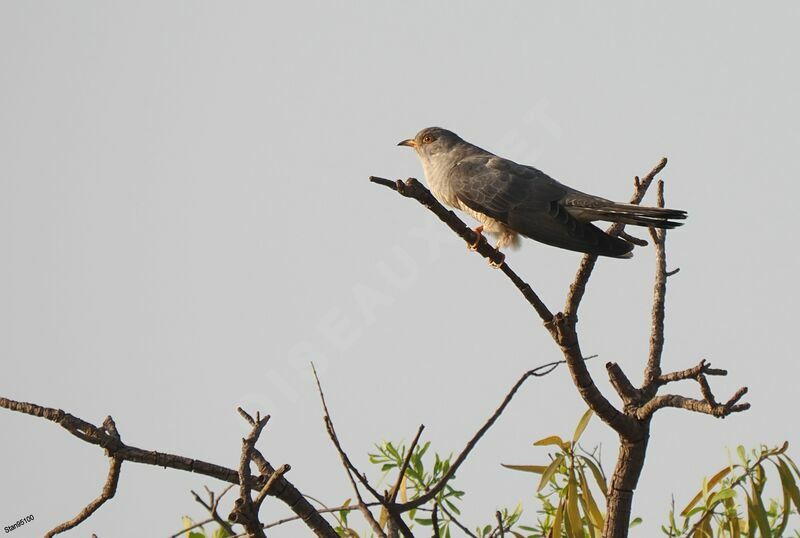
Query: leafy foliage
(731, 503)
(571, 489)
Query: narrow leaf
(555, 530)
(707, 486)
(552, 440)
(592, 511)
(573, 515)
(550, 471)
(582, 423)
(758, 516)
(789, 484)
(598, 476)
(538, 469)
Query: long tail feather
(653, 217)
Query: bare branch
(578, 287)
(653, 370)
(212, 507)
(691, 404)
(702, 367)
(631, 239)
(435, 520)
(245, 511)
(563, 331)
(346, 508)
(348, 466)
(622, 384)
(283, 489)
(460, 525)
(282, 470)
(109, 489)
(392, 497)
(436, 488)
(412, 188)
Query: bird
(510, 200)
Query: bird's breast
(436, 175)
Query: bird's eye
(427, 139)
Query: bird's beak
(410, 143)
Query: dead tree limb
(107, 438)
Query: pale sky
(187, 222)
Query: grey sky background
(187, 222)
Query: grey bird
(511, 199)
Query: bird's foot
(501, 259)
(479, 237)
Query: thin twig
(396, 489)
(376, 527)
(213, 505)
(460, 525)
(436, 488)
(109, 489)
(499, 517)
(347, 508)
(282, 470)
(192, 527)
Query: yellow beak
(410, 143)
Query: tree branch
(212, 506)
(653, 369)
(109, 489)
(436, 488)
(698, 406)
(87, 432)
(392, 497)
(348, 466)
(412, 188)
(578, 287)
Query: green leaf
(598, 475)
(592, 511)
(557, 520)
(582, 423)
(758, 516)
(636, 521)
(725, 493)
(788, 483)
(706, 486)
(742, 455)
(424, 521)
(552, 440)
(550, 471)
(573, 515)
(538, 469)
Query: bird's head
(432, 142)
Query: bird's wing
(529, 202)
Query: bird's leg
(478, 232)
(506, 238)
(500, 257)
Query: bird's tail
(652, 217)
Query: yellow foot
(478, 232)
